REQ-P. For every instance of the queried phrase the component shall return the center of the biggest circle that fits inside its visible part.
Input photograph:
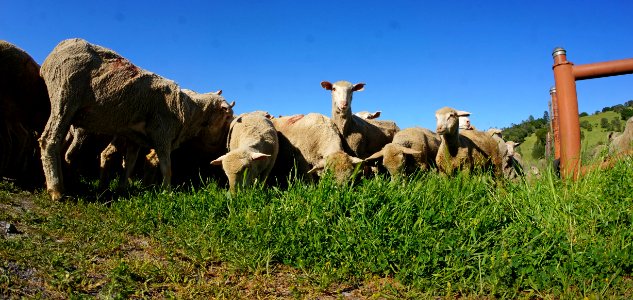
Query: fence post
(554, 122)
(569, 122)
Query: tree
(583, 114)
(616, 125)
(604, 123)
(546, 116)
(626, 113)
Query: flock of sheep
(94, 91)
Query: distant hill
(595, 129)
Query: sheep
(362, 137)
(511, 161)
(622, 142)
(253, 146)
(468, 150)
(24, 109)
(313, 145)
(96, 89)
(411, 148)
(368, 115)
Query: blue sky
(491, 58)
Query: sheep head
(394, 157)
(236, 165)
(340, 164)
(342, 93)
(448, 120)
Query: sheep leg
(164, 161)
(79, 137)
(131, 155)
(107, 157)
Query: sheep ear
(462, 113)
(326, 85)
(374, 115)
(376, 155)
(516, 144)
(238, 120)
(410, 151)
(358, 87)
(219, 92)
(318, 167)
(232, 104)
(218, 161)
(259, 156)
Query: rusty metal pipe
(603, 69)
(555, 123)
(569, 121)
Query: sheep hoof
(55, 195)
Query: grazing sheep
(622, 142)
(468, 150)
(363, 137)
(96, 89)
(24, 109)
(313, 145)
(411, 148)
(368, 115)
(253, 148)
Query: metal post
(555, 124)
(568, 114)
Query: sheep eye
(333, 89)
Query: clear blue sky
(492, 58)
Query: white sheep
(363, 137)
(312, 144)
(468, 150)
(412, 148)
(253, 147)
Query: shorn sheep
(96, 89)
(253, 148)
(412, 148)
(510, 159)
(363, 137)
(622, 142)
(313, 145)
(24, 109)
(466, 151)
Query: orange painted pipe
(569, 122)
(604, 69)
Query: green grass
(422, 237)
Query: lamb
(313, 144)
(96, 89)
(622, 142)
(469, 150)
(412, 148)
(24, 109)
(510, 159)
(368, 115)
(253, 146)
(362, 137)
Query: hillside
(591, 141)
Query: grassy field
(428, 236)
